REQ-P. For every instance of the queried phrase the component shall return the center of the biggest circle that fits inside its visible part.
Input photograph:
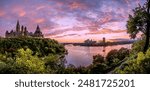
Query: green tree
(27, 63)
(140, 22)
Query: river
(83, 55)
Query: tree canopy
(139, 22)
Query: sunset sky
(69, 20)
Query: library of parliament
(21, 31)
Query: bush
(139, 65)
(119, 54)
(25, 62)
(98, 59)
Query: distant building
(89, 42)
(104, 39)
(21, 31)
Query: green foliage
(113, 59)
(112, 55)
(137, 21)
(116, 55)
(37, 45)
(25, 62)
(71, 69)
(99, 68)
(98, 59)
(137, 47)
(141, 64)
(30, 55)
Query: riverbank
(101, 44)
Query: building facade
(21, 31)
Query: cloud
(67, 35)
(40, 7)
(75, 17)
(105, 31)
(2, 13)
(77, 5)
(40, 20)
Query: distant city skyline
(69, 20)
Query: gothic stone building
(21, 31)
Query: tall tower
(18, 26)
(104, 40)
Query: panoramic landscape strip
(75, 39)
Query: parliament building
(21, 31)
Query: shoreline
(100, 44)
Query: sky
(69, 20)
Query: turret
(25, 31)
(22, 30)
(7, 34)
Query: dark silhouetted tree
(140, 22)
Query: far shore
(101, 44)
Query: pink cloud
(40, 7)
(40, 20)
(19, 10)
(2, 13)
(105, 31)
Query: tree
(140, 22)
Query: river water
(83, 55)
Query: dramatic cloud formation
(69, 20)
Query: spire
(18, 26)
(17, 22)
(22, 28)
(38, 32)
(38, 28)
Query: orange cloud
(76, 5)
(106, 31)
(19, 10)
(22, 13)
(41, 20)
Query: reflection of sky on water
(82, 56)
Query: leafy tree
(27, 63)
(98, 59)
(112, 55)
(140, 22)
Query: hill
(42, 46)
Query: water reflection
(83, 56)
